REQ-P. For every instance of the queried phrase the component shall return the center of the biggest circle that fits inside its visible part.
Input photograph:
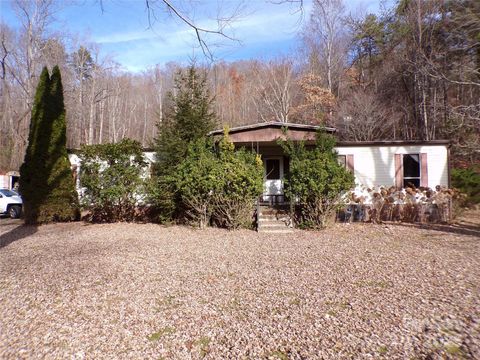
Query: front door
(273, 183)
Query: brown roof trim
(276, 124)
(77, 151)
(392, 143)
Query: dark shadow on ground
(460, 229)
(17, 233)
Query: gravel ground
(135, 291)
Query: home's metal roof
(275, 124)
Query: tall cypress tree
(46, 182)
(32, 170)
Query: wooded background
(411, 72)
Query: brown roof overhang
(276, 125)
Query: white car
(10, 203)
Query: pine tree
(190, 118)
(46, 183)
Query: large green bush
(196, 180)
(316, 181)
(111, 175)
(241, 174)
(218, 185)
(468, 182)
(46, 181)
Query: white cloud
(172, 40)
(125, 37)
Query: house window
(411, 170)
(342, 160)
(273, 169)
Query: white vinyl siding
(4, 182)
(374, 164)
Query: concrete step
(273, 225)
(269, 224)
(285, 230)
(274, 212)
(274, 216)
(270, 218)
(274, 220)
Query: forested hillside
(411, 72)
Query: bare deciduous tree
(275, 89)
(326, 41)
(362, 117)
(22, 55)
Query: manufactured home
(9, 180)
(374, 163)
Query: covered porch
(263, 139)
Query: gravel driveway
(134, 291)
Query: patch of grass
(379, 284)
(167, 302)
(203, 343)
(295, 301)
(276, 311)
(279, 355)
(112, 301)
(343, 305)
(63, 345)
(454, 350)
(233, 304)
(331, 313)
(382, 350)
(162, 332)
(447, 331)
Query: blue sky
(264, 29)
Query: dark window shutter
(350, 165)
(423, 170)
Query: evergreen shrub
(112, 179)
(316, 181)
(218, 185)
(468, 182)
(241, 174)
